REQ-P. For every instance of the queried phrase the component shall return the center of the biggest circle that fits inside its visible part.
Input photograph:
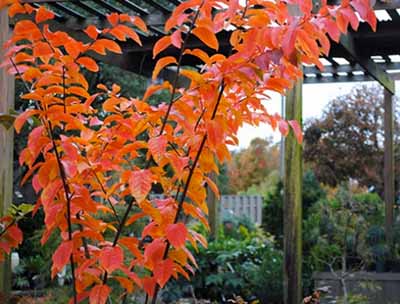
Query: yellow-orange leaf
(125, 283)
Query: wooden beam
(292, 206)
(337, 79)
(347, 68)
(6, 152)
(347, 42)
(212, 204)
(379, 4)
(388, 175)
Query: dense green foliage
(243, 262)
(272, 220)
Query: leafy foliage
(347, 141)
(272, 220)
(251, 166)
(243, 264)
(348, 225)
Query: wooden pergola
(360, 56)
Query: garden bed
(376, 287)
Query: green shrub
(245, 263)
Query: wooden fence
(238, 205)
(242, 205)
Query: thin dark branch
(178, 69)
(189, 179)
(175, 83)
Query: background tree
(252, 165)
(347, 141)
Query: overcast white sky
(315, 98)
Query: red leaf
(154, 252)
(50, 192)
(99, 294)
(351, 16)
(176, 234)
(61, 257)
(332, 29)
(297, 130)
(140, 184)
(163, 272)
(16, 234)
(176, 39)
(283, 127)
(157, 147)
(111, 258)
(149, 284)
(288, 43)
(22, 118)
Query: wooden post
(6, 150)
(212, 209)
(388, 174)
(292, 206)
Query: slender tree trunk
(212, 209)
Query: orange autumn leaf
(43, 14)
(163, 272)
(162, 63)
(61, 257)
(161, 45)
(88, 63)
(111, 258)
(207, 37)
(101, 45)
(22, 118)
(92, 31)
(140, 184)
